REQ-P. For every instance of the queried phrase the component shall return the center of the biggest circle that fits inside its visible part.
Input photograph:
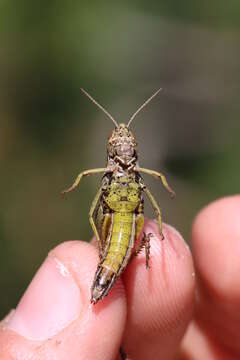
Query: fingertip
(215, 244)
(216, 253)
(213, 214)
(56, 309)
(171, 265)
(160, 299)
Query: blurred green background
(121, 52)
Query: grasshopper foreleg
(84, 173)
(158, 175)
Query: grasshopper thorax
(122, 146)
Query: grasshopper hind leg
(145, 243)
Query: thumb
(55, 320)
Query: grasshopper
(117, 212)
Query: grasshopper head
(122, 145)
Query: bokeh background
(121, 52)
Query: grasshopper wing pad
(103, 223)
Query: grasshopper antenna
(142, 106)
(100, 107)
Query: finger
(160, 300)
(216, 251)
(54, 319)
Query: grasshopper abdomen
(122, 199)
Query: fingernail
(51, 302)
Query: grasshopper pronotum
(116, 214)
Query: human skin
(168, 312)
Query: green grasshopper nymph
(116, 214)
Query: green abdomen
(120, 240)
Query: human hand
(148, 310)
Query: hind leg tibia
(145, 243)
